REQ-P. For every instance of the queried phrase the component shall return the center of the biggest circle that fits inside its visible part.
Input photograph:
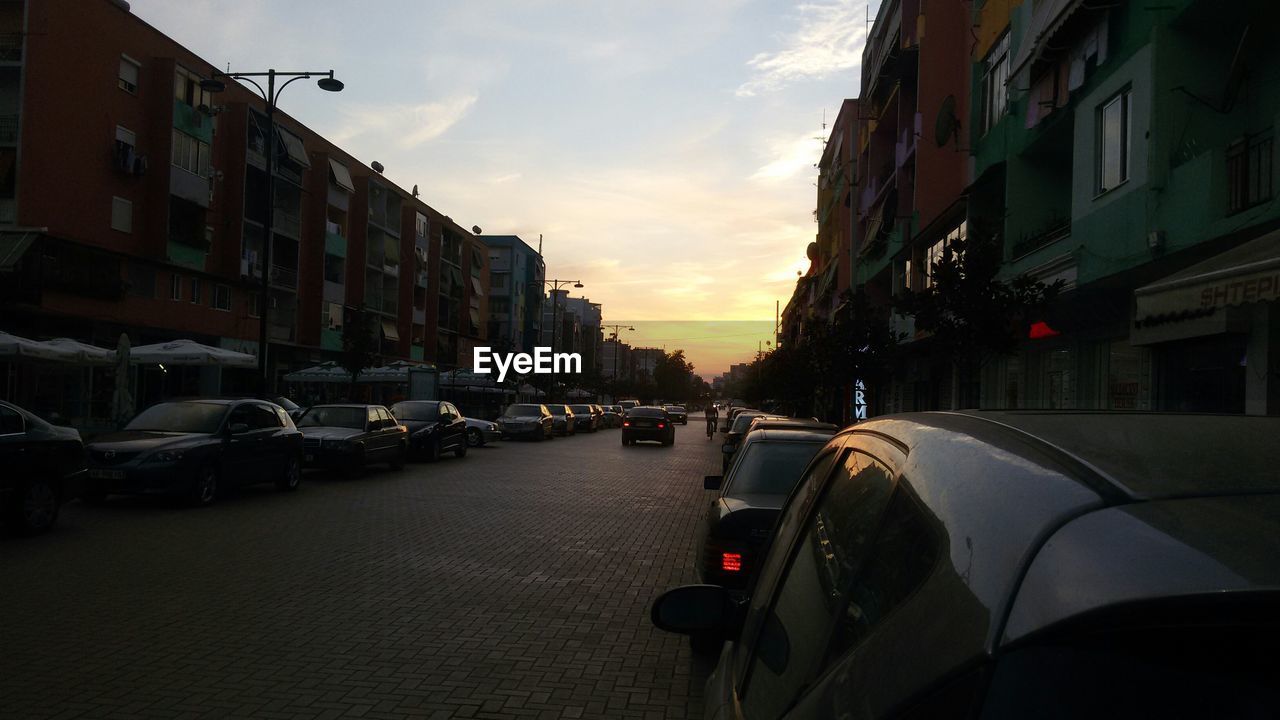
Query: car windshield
(344, 417)
(417, 410)
(743, 421)
(646, 412)
(184, 417)
(581, 408)
(770, 468)
(523, 411)
(675, 408)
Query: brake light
(731, 562)
(660, 426)
(626, 423)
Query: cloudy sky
(664, 150)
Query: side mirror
(712, 482)
(693, 609)
(237, 428)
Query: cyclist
(713, 416)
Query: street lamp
(270, 94)
(555, 326)
(617, 348)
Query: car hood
(140, 440)
(329, 433)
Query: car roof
(345, 405)
(789, 435)
(800, 423)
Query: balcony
(283, 276)
(287, 223)
(1058, 230)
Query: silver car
(480, 432)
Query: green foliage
(360, 343)
(673, 377)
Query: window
(995, 79)
(175, 287)
(195, 290)
(331, 316)
(190, 154)
(254, 306)
(128, 74)
(121, 215)
(221, 297)
(935, 253)
(477, 262)
(126, 156)
(499, 305)
(497, 281)
(1249, 172)
(792, 647)
(186, 88)
(420, 225)
(1113, 143)
(335, 269)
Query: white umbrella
(323, 373)
(82, 352)
(190, 352)
(12, 346)
(121, 398)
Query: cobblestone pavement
(512, 583)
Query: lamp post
(617, 348)
(270, 94)
(555, 326)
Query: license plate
(310, 457)
(643, 423)
(106, 474)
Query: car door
(454, 426)
(241, 446)
(390, 432)
(273, 444)
(16, 454)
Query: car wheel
(205, 488)
(397, 462)
(38, 510)
(292, 475)
(474, 438)
(461, 450)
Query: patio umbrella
(190, 352)
(121, 398)
(82, 352)
(12, 346)
(322, 373)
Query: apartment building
(137, 202)
(516, 275)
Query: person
(713, 416)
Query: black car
(1012, 565)
(678, 414)
(564, 420)
(531, 420)
(647, 422)
(348, 438)
(585, 418)
(44, 466)
(737, 429)
(435, 427)
(196, 448)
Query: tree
(359, 343)
(673, 377)
(969, 314)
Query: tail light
(660, 426)
(731, 562)
(626, 423)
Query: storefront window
(1129, 377)
(1059, 382)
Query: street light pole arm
(280, 89)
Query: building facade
(516, 275)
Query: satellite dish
(476, 229)
(415, 191)
(377, 166)
(811, 251)
(945, 127)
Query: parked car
(350, 437)
(532, 420)
(628, 404)
(196, 449)
(612, 416)
(647, 422)
(294, 409)
(737, 429)
(726, 422)
(435, 427)
(739, 521)
(564, 422)
(678, 414)
(44, 466)
(482, 432)
(585, 418)
(1011, 565)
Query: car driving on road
(531, 420)
(348, 438)
(648, 423)
(1012, 565)
(435, 427)
(43, 467)
(196, 449)
(678, 414)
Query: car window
(10, 421)
(770, 468)
(282, 416)
(347, 417)
(241, 415)
(792, 646)
(371, 416)
(262, 417)
(385, 416)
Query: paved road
(512, 583)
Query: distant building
(516, 274)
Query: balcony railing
(284, 276)
(1030, 243)
(286, 222)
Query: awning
(1047, 17)
(341, 176)
(189, 352)
(13, 245)
(389, 330)
(475, 286)
(475, 317)
(1195, 300)
(828, 277)
(293, 147)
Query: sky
(663, 150)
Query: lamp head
(330, 84)
(578, 284)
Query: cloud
(829, 40)
(509, 177)
(790, 158)
(407, 125)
